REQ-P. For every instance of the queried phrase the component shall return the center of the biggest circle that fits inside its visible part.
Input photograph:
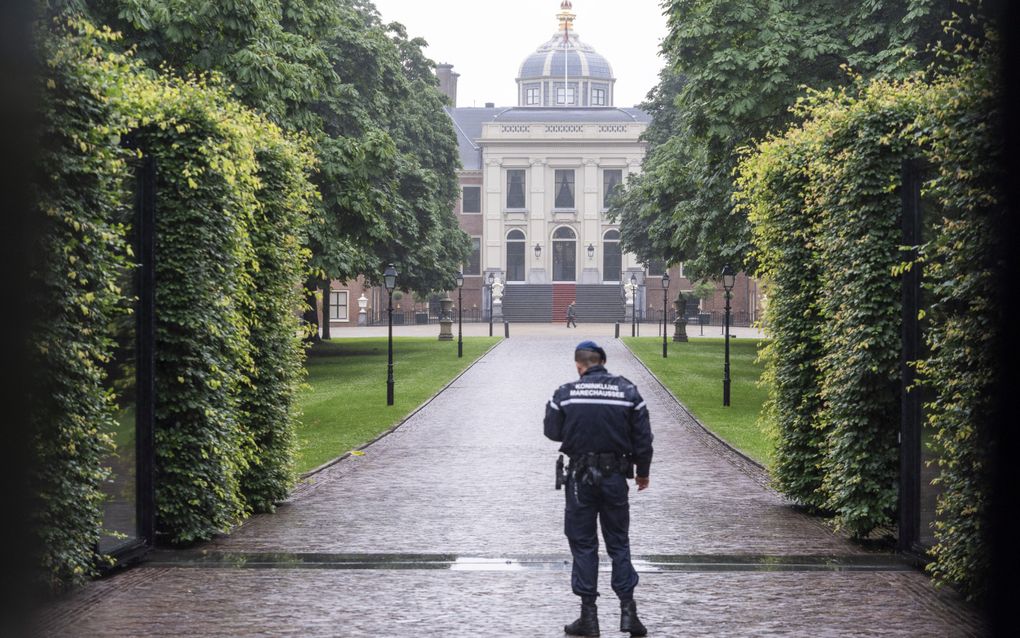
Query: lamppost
(491, 279)
(729, 278)
(591, 251)
(633, 312)
(390, 282)
(665, 314)
(460, 315)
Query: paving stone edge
(328, 464)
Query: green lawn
(345, 405)
(694, 372)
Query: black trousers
(607, 503)
(570, 320)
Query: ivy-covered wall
(233, 200)
(823, 199)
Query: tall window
(656, 267)
(515, 247)
(612, 256)
(532, 96)
(564, 189)
(564, 254)
(565, 95)
(515, 188)
(474, 262)
(598, 97)
(612, 178)
(471, 200)
(338, 305)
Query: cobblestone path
(450, 527)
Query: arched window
(612, 256)
(564, 243)
(516, 243)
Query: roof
(468, 122)
(581, 59)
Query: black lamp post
(665, 322)
(460, 315)
(491, 279)
(390, 282)
(729, 278)
(633, 307)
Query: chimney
(448, 81)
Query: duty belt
(592, 466)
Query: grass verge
(344, 405)
(694, 372)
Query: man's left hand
(642, 482)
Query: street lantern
(538, 250)
(591, 250)
(390, 278)
(729, 279)
(460, 315)
(665, 301)
(390, 282)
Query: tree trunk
(311, 314)
(326, 312)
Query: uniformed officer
(603, 425)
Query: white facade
(554, 147)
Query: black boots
(587, 624)
(629, 621)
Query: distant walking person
(571, 315)
(602, 422)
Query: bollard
(617, 329)
(506, 329)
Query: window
(565, 96)
(611, 180)
(598, 97)
(564, 189)
(532, 96)
(474, 262)
(338, 305)
(515, 188)
(656, 267)
(612, 256)
(471, 200)
(516, 244)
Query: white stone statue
(497, 291)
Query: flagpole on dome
(566, 17)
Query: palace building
(535, 181)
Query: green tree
(734, 69)
(361, 90)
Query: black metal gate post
(910, 417)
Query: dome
(565, 71)
(581, 59)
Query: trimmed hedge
(785, 231)
(80, 191)
(268, 400)
(233, 201)
(824, 198)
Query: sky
(486, 40)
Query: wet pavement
(450, 526)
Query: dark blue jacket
(601, 412)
